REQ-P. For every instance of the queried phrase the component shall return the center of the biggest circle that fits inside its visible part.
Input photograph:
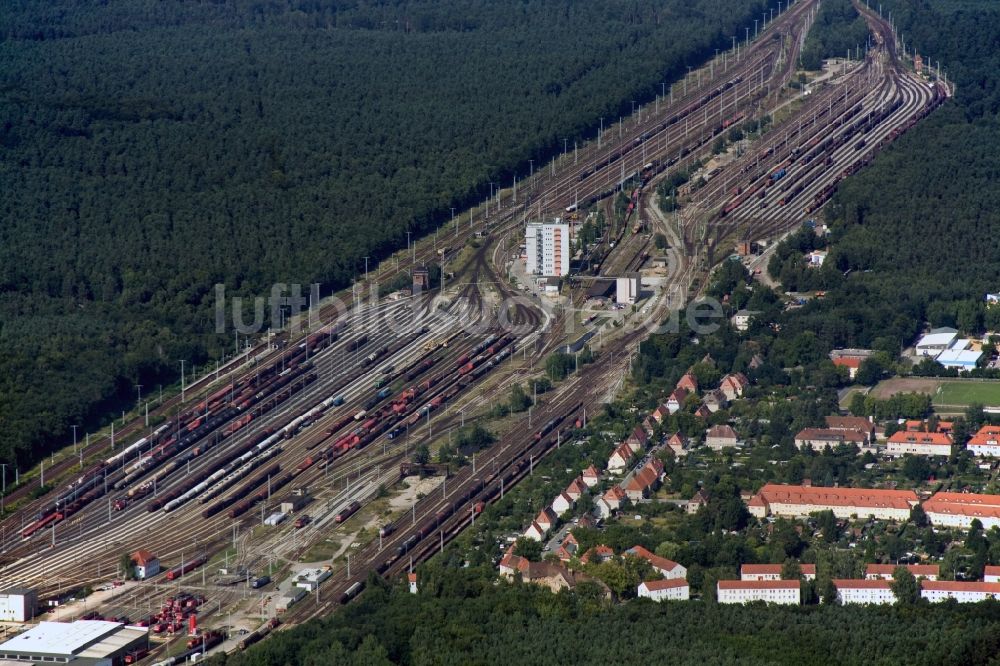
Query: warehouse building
(82, 643)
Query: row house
(986, 442)
(787, 592)
(864, 591)
(960, 591)
(919, 444)
(797, 501)
(675, 589)
(946, 509)
(773, 571)
(991, 574)
(888, 571)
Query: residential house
(741, 320)
(919, 444)
(535, 532)
(620, 458)
(146, 565)
(867, 591)
(610, 502)
(773, 571)
(888, 571)
(699, 500)
(991, 574)
(688, 382)
(678, 444)
(575, 489)
(591, 477)
(772, 591)
(714, 400)
(661, 412)
(562, 503)
(720, 436)
(638, 439)
(568, 548)
(675, 589)
(552, 576)
(851, 363)
(852, 423)
(819, 438)
(675, 401)
(598, 554)
(649, 425)
(668, 568)
(645, 481)
(734, 385)
(547, 518)
(816, 258)
(703, 412)
(795, 501)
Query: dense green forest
(461, 617)
(837, 28)
(151, 149)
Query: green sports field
(966, 393)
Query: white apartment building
(960, 509)
(853, 591)
(962, 591)
(796, 501)
(772, 591)
(888, 571)
(547, 249)
(773, 571)
(675, 589)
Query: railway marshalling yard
(338, 408)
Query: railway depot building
(81, 643)
(798, 501)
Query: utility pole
(183, 361)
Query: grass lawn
(965, 393)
